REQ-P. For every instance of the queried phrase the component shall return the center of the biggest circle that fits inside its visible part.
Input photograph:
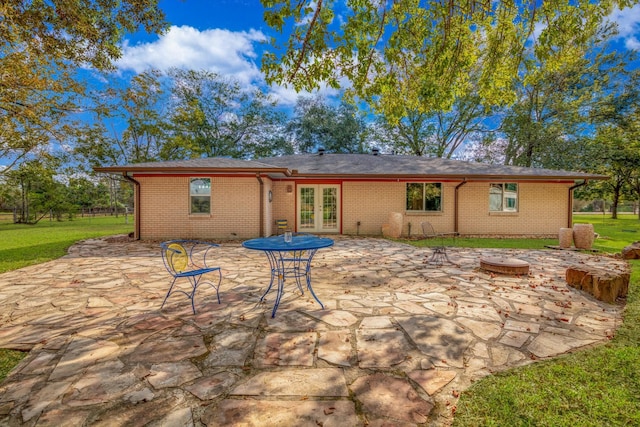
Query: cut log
(632, 251)
(604, 285)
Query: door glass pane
(329, 208)
(307, 208)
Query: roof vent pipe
(320, 151)
(375, 151)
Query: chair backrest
(281, 225)
(428, 230)
(183, 255)
(175, 256)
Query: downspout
(570, 213)
(455, 206)
(261, 204)
(136, 206)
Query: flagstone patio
(397, 342)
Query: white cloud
(287, 96)
(628, 21)
(632, 43)
(227, 53)
(224, 52)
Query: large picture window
(424, 196)
(503, 197)
(200, 195)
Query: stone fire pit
(513, 266)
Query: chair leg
(217, 287)
(194, 283)
(168, 293)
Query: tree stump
(632, 251)
(604, 285)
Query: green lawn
(22, 245)
(613, 235)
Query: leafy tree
(560, 106)
(213, 116)
(555, 106)
(316, 124)
(617, 148)
(415, 56)
(82, 193)
(138, 128)
(410, 135)
(33, 191)
(617, 153)
(43, 45)
(440, 134)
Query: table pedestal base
(285, 265)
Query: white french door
(318, 208)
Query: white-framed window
(424, 196)
(200, 195)
(503, 197)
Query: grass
(22, 245)
(8, 360)
(614, 234)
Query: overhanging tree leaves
(43, 44)
(409, 55)
(557, 102)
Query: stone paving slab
(396, 339)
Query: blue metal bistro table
(289, 259)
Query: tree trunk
(614, 204)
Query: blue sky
(226, 37)
(223, 36)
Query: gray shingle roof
(354, 165)
(398, 166)
(201, 164)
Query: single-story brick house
(223, 198)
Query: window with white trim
(424, 197)
(503, 197)
(200, 195)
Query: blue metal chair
(189, 259)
